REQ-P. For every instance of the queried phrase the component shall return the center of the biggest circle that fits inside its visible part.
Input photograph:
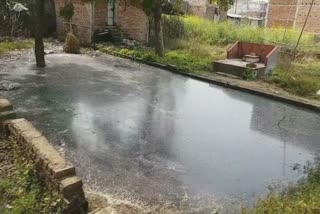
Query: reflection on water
(141, 132)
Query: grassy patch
(21, 190)
(300, 78)
(6, 47)
(193, 43)
(205, 31)
(302, 198)
(190, 57)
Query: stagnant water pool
(150, 136)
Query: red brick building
(92, 15)
(293, 13)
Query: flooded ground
(144, 134)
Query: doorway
(111, 12)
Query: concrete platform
(237, 67)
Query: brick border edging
(226, 84)
(52, 168)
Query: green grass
(303, 197)
(302, 79)
(22, 192)
(193, 43)
(6, 47)
(205, 31)
(190, 58)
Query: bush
(303, 80)
(173, 28)
(301, 198)
(67, 11)
(72, 44)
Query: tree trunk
(223, 16)
(38, 34)
(157, 13)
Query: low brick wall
(52, 168)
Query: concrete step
(228, 75)
(237, 67)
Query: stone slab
(5, 105)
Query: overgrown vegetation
(13, 23)
(21, 191)
(195, 59)
(8, 46)
(300, 78)
(193, 43)
(207, 32)
(301, 198)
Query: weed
(23, 192)
(198, 42)
(303, 197)
(6, 47)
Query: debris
(47, 52)
(6, 85)
(18, 7)
(8, 206)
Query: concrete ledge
(296, 102)
(52, 168)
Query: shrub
(67, 11)
(72, 44)
(301, 198)
(173, 28)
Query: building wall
(132, 21)
(201, 8)
(313, 24)
(101, 10)
(292, 13)
(197, 10)
(197, 2)
(282, 13)
(81, 21)
(129, 19)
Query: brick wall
(101, 8)
(200, 8)
(52, 168)
(282, 13)
(313, 24)
(292, 13)
(81, 21)
(197, 2)
(132, 21)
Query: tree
(224, 5)
(153, 9)
(38, 33)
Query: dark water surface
(142, 133)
